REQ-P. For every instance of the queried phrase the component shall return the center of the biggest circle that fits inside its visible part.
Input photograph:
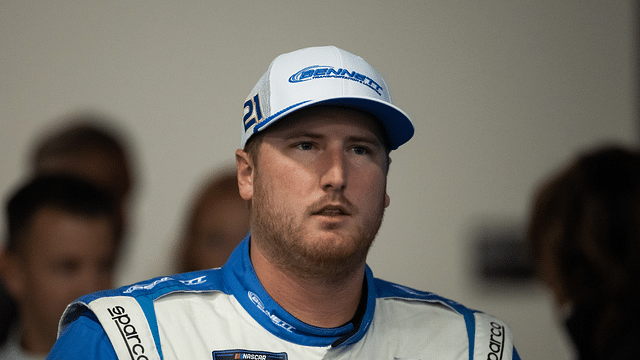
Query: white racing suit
(225, 313)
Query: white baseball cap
(323, 75)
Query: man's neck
(314, 301)
(34, 340)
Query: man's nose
(334, 176)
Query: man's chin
(336, 247)
(331, 266)
(333, 241)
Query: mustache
(333, 203)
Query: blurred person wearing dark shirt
(61, 243)
(584, 234)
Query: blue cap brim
(396, 123)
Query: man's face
(223, 221)
(319, 190)
(65, 256)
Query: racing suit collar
(243, 283)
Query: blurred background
(502, 94)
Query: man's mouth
(332, 210)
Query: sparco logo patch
(128, 332)
(496, 342)
(248, 354)
(323, 72)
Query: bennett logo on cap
(322, 75)
(321, 72)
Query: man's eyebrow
(302, 133)
(355, 138)
(372, 139)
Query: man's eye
(360, 150)
(305, 146)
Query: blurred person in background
(8, 309)
(61, 243)
(218, 219)
(90, 147)
(584, 234)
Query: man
(317, 131)
(87, 147)
(61, 245)
(584, 235)
(218, 219)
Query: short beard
(284, 246)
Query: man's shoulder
(146, 292)
(488, 336)
(194, 282)
(133, 307)
(390, 290)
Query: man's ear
(244, 164)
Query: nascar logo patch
(247, 354)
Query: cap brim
(396, 123)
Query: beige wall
(501, 93)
